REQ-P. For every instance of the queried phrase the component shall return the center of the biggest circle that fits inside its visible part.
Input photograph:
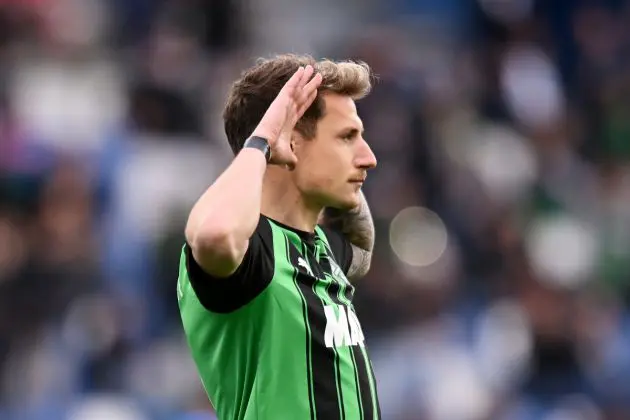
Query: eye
(350, 135)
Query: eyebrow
(352, 130)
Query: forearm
(357, 226)
(230, 207)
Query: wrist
(265, 134)
(259, 143)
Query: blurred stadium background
(500, 286)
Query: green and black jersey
(280, 339)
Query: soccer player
(263, 289)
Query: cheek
(332, 165)
(316, 177)
(322, 171)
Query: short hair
(253, 93)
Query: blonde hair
(251, 95)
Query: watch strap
(260, 143)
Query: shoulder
(225, 295)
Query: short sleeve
(224, 295)
(341, 248)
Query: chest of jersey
(324, 292)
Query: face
(332, 166)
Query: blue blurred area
(500, 285)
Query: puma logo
(302, 263)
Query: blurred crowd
(500, 288)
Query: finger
(305, 104)
(306, 76)
(294, 81)
(308, 90)
(314, 83)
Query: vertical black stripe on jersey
(308, 252)
(348, 291)
(322, 359)
(365, 390)
(325, 263)
(309, 343)
(356, 384)
(378, 404)
(334, 287)
(363, 369)
(363, 366)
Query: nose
(365, 158)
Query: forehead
(340, 110)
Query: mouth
(360, 180)
(357, 183)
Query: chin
(347, 203)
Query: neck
(283, 202)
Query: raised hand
(285, 111)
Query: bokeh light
(504, 345)
(106, 407)
(418, 236)
(562, 250)
(503, 161)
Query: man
(263, 289)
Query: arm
(357, 226)
(225, 217)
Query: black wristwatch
(260, 143)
